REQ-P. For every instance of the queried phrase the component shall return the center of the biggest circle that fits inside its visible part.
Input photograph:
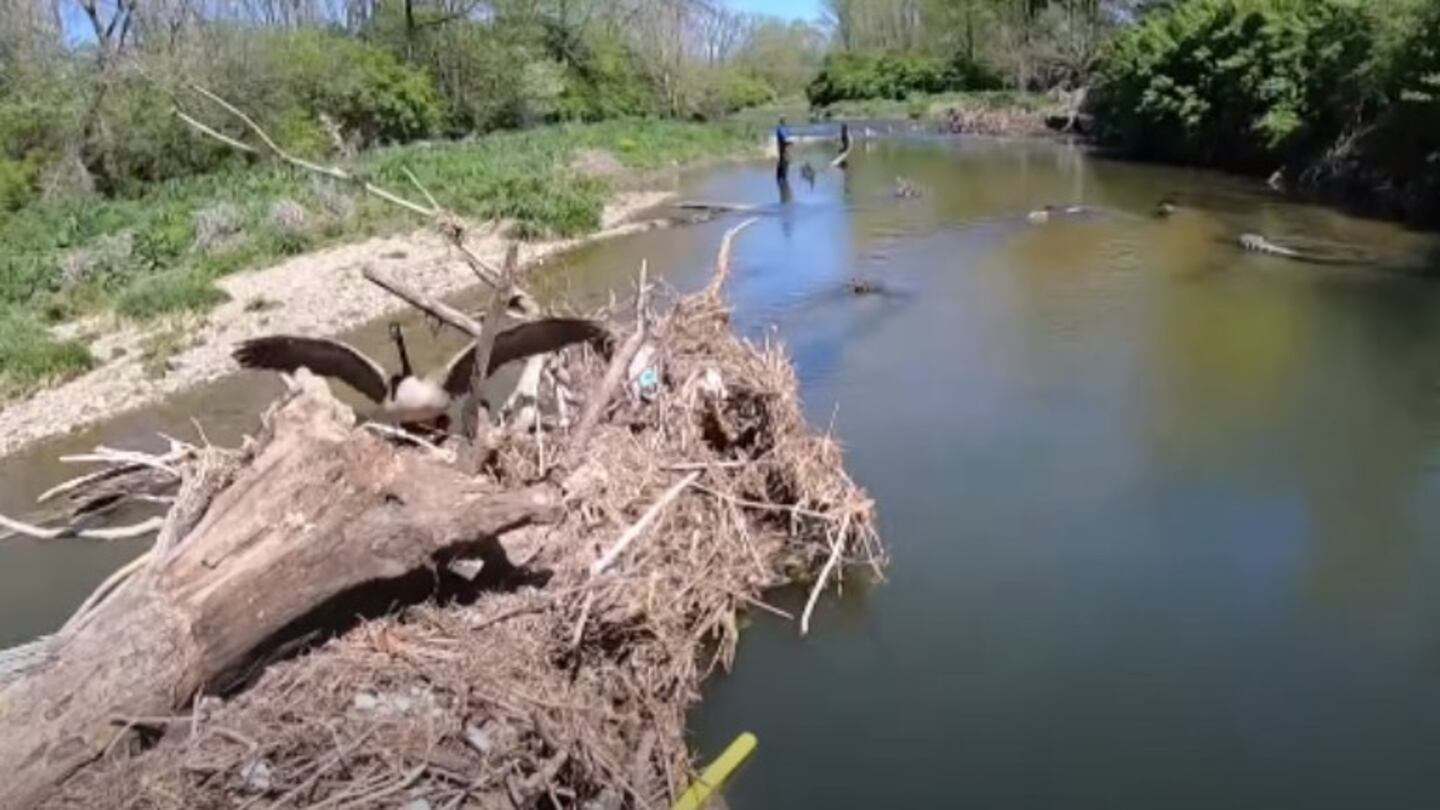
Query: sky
(791, 9)
(77, 27)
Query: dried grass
(570, 691)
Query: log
(323, 509)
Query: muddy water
(1164, 515)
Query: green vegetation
(1342, 95)
(1244, 83)
(110, 202)
(30, 356)
(159, 253)
(158, 347)
(856, 76)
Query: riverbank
(321, 293)
(116, 347)
(71, 266)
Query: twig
(415, 181)
(722, 259)
(404, 782)
(619, 364)
(80, 481)
(406, 436)
(216, 134)
(334, 172)
(773, 507)
(638, 527)
(112, 584)
(763, 605)
(837, 546)
(109, 455)
(579, 632)
(140, 529)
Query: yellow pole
(713, 777)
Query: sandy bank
(319, 293)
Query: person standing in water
(842, 159)
(782, 151)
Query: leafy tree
(1240, 83)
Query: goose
(406, 397)
(1165, 208)
(1042, 214)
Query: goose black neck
(405, 370)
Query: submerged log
(322, 509)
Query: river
(1164, 515)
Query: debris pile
(556, 670)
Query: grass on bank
(160, 252)
(30, 356)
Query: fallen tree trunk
(323, 509)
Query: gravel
(323, 294)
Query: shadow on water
(1164, 515)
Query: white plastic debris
(255, 776)
(712, 384)
(478, 739)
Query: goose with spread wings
(405, 396)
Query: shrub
(364, 88)
(1237, 83)
(855, 76)
(178, 290)
(31, 356)
(602, 82)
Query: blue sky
(796, 9)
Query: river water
(1164, 515)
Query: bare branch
(639, 526)
(614, 373)
(837, 546)
(140, 529)
(333, 172)
(424, 303)
(216, 134)
(485, 342)
(449, 226)
(722, 259)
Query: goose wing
(525, 340)
(328, 358)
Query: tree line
(1342, 93)
(87, 87)
(1339, 97)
